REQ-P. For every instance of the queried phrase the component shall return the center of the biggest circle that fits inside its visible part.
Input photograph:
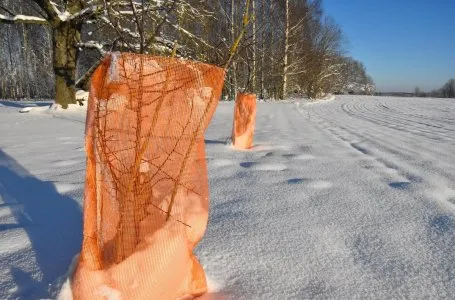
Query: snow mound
(26, 109)
(325, 98)
(82, 95)
(55, 107)
(71, 108)
(306, 101)
(33, 108)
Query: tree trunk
(262, 48)
(234, 65)
(286, 53)
(65, 35)
(272, 69)
(254, 46)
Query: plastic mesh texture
(244, 121)
(146, 190)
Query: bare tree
(448, 90)
(132, 25)
(353, 78)
(323, 63)
(286, 50)
(24, 58)
(66, 29)
(286, 46)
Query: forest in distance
(286, 47)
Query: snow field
(351, 198)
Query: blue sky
(403, 43)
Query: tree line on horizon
(285, 47)
(446, 91)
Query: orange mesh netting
(146, 192)
(244, 121)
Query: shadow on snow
(52, 222)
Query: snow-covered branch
(50, 8)
(189, 34)
(23, 19)
(84, 13)
(54, 9)
(92, 45)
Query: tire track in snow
(397, 123)
(421, 198)
(378, 132)
(385, 120)
(395, 152)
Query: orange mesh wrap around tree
(146, 191)
(244, 121)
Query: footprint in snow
(263, 167)
(295, 180)
(401, 185)
(268, 154)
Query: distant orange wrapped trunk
(146, 191)
(244, 121)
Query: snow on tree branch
(23, 19)
(92, 45)
(50, 8)
(84, 13)
(189, 34)
(55, 10)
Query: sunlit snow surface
(352, 198)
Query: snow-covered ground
(352, 198)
